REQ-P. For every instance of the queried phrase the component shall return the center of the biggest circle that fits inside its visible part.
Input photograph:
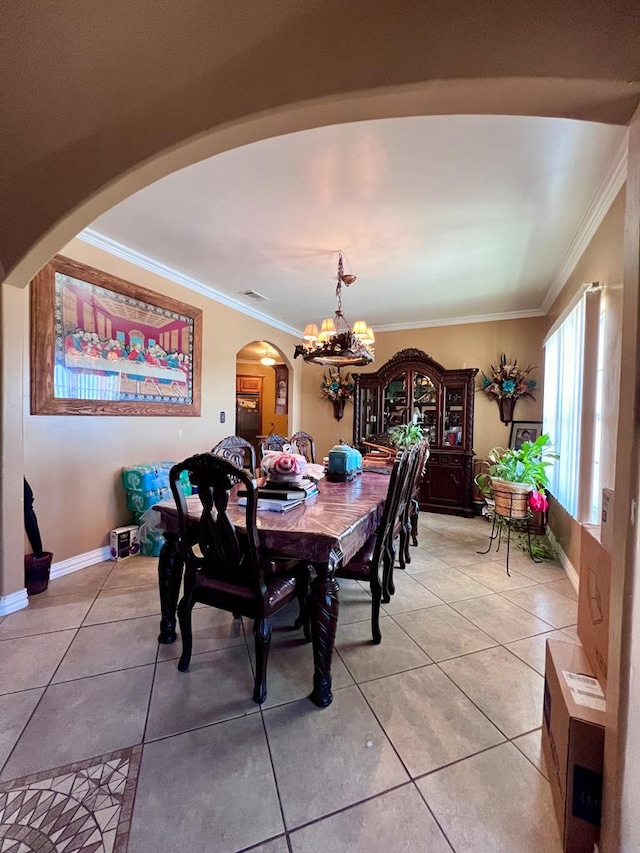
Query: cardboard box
(593, 601)
(573, 744)
(124, 542)
(606, 520)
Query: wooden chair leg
(376, 596)
(303, 617)
(388, 586)
(262, 635)
(407, 540)
(303, 602)
(415, 512)
(184, 617)
(403, 547)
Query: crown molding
(608, 190)
(100, 241)
(460, 321)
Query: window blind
(562, 408)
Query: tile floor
(432, 742)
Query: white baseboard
(17, 600)
(80, 561)
(565, 562)
(14, 601)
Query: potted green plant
(518, 478)
(404, 436)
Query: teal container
(345, 463)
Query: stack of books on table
(281, 497)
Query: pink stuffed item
(282, 466)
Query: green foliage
(541, 548)
(526, 465)
(404, 436)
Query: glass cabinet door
(370, 414)
(453, 415)
(425, 406)
(395, 402)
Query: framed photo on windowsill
(522, 431)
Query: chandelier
(337, 344)
(268, 357)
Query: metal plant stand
(500, 521)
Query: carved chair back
(222, 551)
(273, 442)
(304, 445)
(237, 450)
(376, 553)
(407, 523)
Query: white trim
(575, 299)
(607, 192)
(94, 238)
(80, 561)
(459, 321)
(14, 601)
(567, 565)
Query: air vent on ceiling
(253, 294)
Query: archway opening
(262, 392)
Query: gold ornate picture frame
(101, 345)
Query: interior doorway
(262, 392)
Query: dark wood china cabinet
(412, 387)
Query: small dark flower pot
(36, 572)
(506, 406)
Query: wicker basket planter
(511, 499)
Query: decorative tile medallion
(84, 807)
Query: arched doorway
(262, 392)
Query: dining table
(325, 531)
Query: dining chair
(375, 555)
(409, 529)
(230, 570)
(304, 445)
(272, 442)
(237, 450)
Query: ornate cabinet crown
(412, 387)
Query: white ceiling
(441, 217)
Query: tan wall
(470, 345)
(601, 261)
(268, 415)
(73, 463)
(11, 547)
